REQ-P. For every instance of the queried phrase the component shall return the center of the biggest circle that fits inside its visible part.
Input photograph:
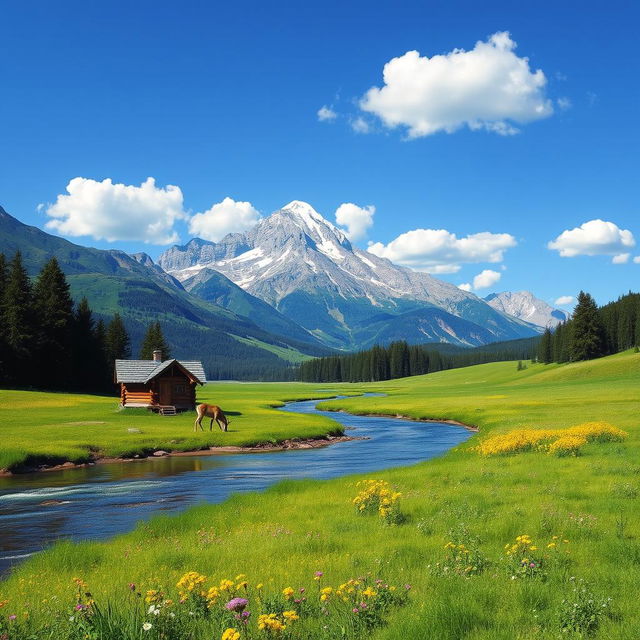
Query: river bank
(263, 447)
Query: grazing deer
(215, 413)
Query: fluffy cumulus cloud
(595, 238)
(564, 300)
(108, 211)
(467, 286)
(489, 87)
(326, 114)
(355, 220)
(440, 251)
(486, 279)
(636, 260)
(222, 218)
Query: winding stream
(103, 500)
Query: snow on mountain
(306, 268)
(525, 306)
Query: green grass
(286, 353)
(39, 427)
(283, 535)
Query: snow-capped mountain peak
(304, 266)
(525, 306)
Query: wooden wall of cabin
(136, 394)
(176, 390)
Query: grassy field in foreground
(39, 427)
(582, 585)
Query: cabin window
(179, 388)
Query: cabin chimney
(157, 355)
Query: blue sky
(222, 102)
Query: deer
(214, 412)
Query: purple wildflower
(132, 586)
(319, 574)
(237, 604)
(13, 616)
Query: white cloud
(564, 300)
(621, 258)
(637, 260)
(489, 88)
(465, 286)
(564, 103)
(360, 125)
(326, 114)
(486, 278)
(440, 251)
(357, 220)
(593, 238)
(222, 218)
(108, 211)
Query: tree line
(593, 331)
(399, 360)
(48, 342)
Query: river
(103, 500)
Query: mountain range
(292, 287)
(306, 268)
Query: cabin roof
(143, 371)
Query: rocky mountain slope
(525, 306)
(230, 344)
(305, 267)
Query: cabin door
(165, 392)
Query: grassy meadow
(41, 428)
(511, 547)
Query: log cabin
(157, 384)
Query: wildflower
(190, 582)
(290, 616)
(146, 626)
(13, 616)
(211, 596)
(269, 622)
(230, 634)
(132, 586)
(317, 575)
(288, 593)
(237, 604)
(325, 593)
(369, 592)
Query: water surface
(103, 500)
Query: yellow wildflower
(290, 616)
(230, 634)
(288, 593)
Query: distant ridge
(525, 306)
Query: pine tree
(545, 349)
(19, 323)
(154, 340)
(54, 309)
(88, 353)
(118, 344)
(587, 339)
